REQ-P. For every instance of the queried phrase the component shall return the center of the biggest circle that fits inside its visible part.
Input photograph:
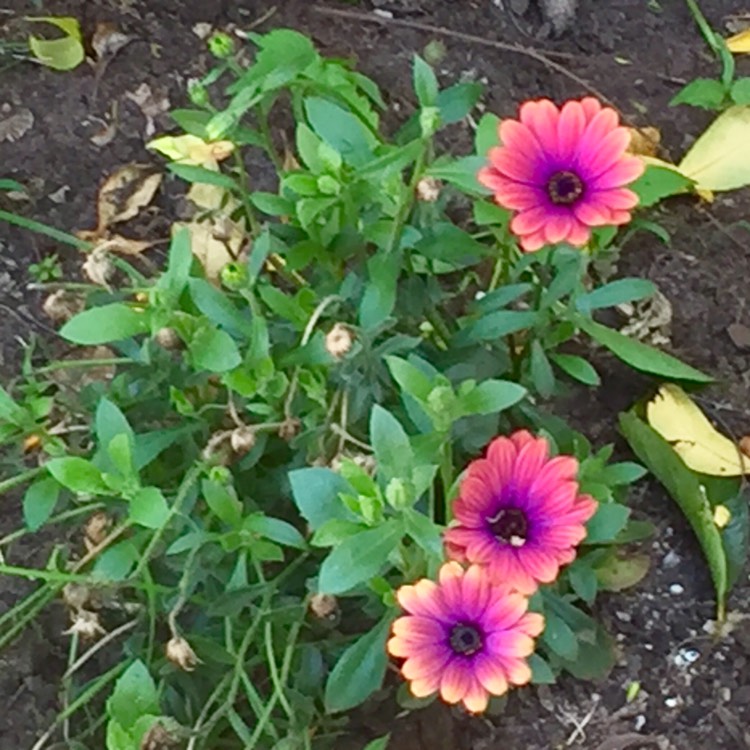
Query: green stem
(182, 493)
(36, 226)
(446, 477)
(252, 219)
(66, 516)
(11, 482)
(408, 197)
(68, 364)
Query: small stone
(671, 560)
(671, 702)
(686, 656)
(639, 723)
(740, 335)
(676, 589)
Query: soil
(695, 691)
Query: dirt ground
(695, 692)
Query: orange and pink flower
(563, 171)
(519, 513)
(464, 636)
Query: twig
(81, 660)
(519, 49)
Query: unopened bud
(242, 439)
(168, 338)
(158, 738)
(428, 189)
(339, 340)
(180, 653)
(98, 267)
(85, 624)
(324, 606)
(62, 305)
(76, 595)
(290, 428)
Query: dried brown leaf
(108, 40)
(124, 193)
(14, 126)
(215, 242)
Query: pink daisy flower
(563, 171)
(464, 636)
(519, 513)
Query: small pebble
(671, 702)
(686, 656)
(726, 694)
(640, 722)
(671, 560)
(676, 589)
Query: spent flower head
(519, 512)
(464, 636)
(563, 171)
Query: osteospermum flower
(563, 171)
(519, 512)
(464, 636)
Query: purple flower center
(509, 526)
(466, 639)
(564, 188)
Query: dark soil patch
(695, 693)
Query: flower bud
(242, 439)
(428, 189)
(290, 428)
(234, 276)
(339, 340)
(168, 338)
(221, 45)
(85, 624)
(180, 653)
(198, 93)
(324, 606)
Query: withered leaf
(124, 193)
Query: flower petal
(423, 598)
(625, 171)
(515, 165)
(491, 674)
(570, 128)
(476, 698)
(530, 221)
(541, 117)
(557, 228)
(455, 681)
(532, 242)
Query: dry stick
(534, 54)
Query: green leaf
(455, 102)
(495, 325)
(596, 657)
(341, 130)
(583, 580)
(559, 637)
(272, 204)
(334, 531)
(379, 299)
(39, 502)
(172, 282)
(541, 672)
(393, 451)
(149, 508)
(218, 308)
(542, 375)
(616, 573)
(460, 172)
(134, 696)
(578, 368)
(608, 521)
(275, 530)
(625, 472)
(116, 562)
(491, 397)
(358, 558)
(740, 91)
(685, 489)
(360, 670)
(701, 92)
(735, 536)
(657, 183)
(445, 242)
(192, 121)
(193, 173)
(425, 83)
(111, 423)
(317, 493)
(392, 161)
(59, 54)
(10, 411)
(11, 185)
(214, 350)
(640, 356)
(102, 325)
(381, 743)
(410, 379)
(615, 293)
(223, 503)
(424, 532)
(487, 135)
(78, 475)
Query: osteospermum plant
(316, 455)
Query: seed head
(85, 624)
(181, 654)
(324, 606)
(290, 428)
(428, 189)
(242, 439)
(168, 338)
(339, 340)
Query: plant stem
(407, 200)
(446, 477)
(11, 482)
(67, 364)
(252, 219)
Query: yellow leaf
(681, 423)
(215, 242)
(720, 158)
(722, 516)
(65, 53)
(124, 193)
(739, 42)
(189, 149)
